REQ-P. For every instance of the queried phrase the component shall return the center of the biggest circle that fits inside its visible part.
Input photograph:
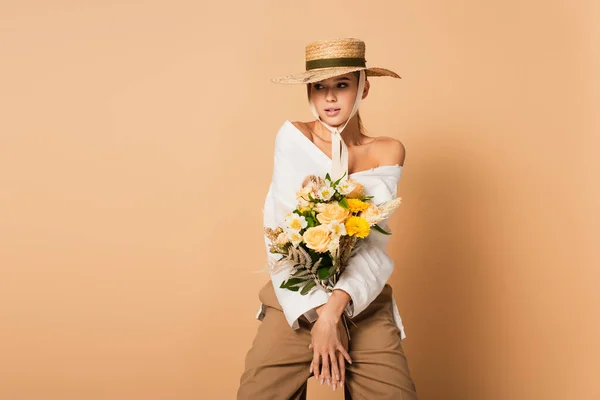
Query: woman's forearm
(335, 306)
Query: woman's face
(334, 97)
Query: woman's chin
(335, 122)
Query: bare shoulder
(389, 151)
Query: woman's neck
(351, 133)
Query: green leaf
(327, 176)
(379, 229)
(338, 181)
(308, 287)
(327, 261)
(323, 273)
(291, 282)
(344, 203)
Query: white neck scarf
(339, 150)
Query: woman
(304, 335)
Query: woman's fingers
(335, 371)
(345, 353)
(311, 369)
(341, 361)
(330, 368)
(314, 366)
(325, 372)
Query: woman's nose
(330, 95)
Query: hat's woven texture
(338, 48)
(339, 57)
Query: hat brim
(317, 75)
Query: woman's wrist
(335, 306)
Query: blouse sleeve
(292, 303)
(368, 269)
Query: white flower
(325, 192)
(337, 229)
(295, 222)
(333, 245)
(294, 237)
(345, 187)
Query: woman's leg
(379, 368)
(277, 365)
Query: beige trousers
(277, 365)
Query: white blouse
(369, 267)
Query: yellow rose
(332, 212)
(358, 190)
(371, 214)
(302, 196)
(357, 226)
(319, 207)
(317, 238)
(303, 193)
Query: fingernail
(328, 382)
(321, 381)
(337, 377)
(334, 387)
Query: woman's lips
(332, 112)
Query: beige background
(136, 143)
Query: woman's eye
(342, 85)
(318, 87)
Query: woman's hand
(341, 358)
(330, 342)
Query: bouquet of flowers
(330, 220)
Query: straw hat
(328, 58)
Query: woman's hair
(361, 127)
